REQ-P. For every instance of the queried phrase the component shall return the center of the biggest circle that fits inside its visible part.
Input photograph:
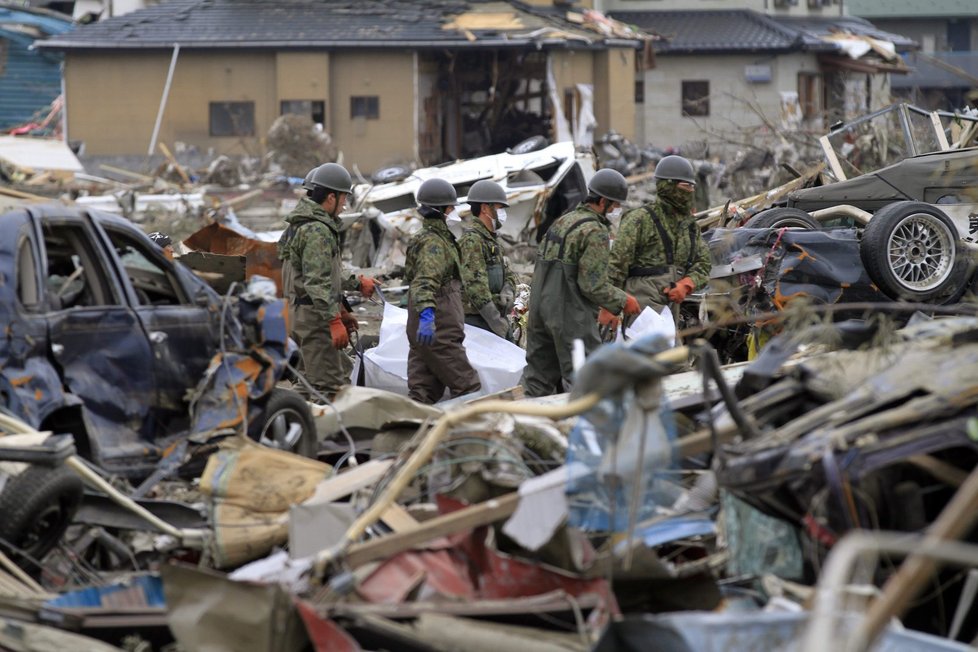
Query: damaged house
(30, 80)
(391, 82)
(726, 75)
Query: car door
(95, 339)
(181, 324)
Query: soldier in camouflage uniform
(659, 255)
(570, 283)
(488, 287)
(436, 359)
(313, 282)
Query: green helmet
(487, 192)
(675, 168)
(437, 192)
(307, 182)
(332, 176)
(609, 184)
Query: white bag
(499, 363)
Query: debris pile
(803, 496)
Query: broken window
(365, 106)
(315, 109)
(75, 275)
(696, 98)
(149, 277)
(28, 285)
(639, 91)
(232, 119)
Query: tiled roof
(814, 27)
(745, 30)
(324, 23)
(714, 31)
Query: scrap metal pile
(166, 490)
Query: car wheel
(783, 217)
(910, 250)
(391, 174)
(37, 506)
(532, 144)
(286, 423)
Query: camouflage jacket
(479, 250)
(586, 246)
(639, 245)
(311, 243)
(432, 262)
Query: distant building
(724, 74)
(389, 80)
(30, 79)
(945, 71)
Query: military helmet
(487, 192)
(609, 184)
(437, 192)
(332, 176)
(675, 168)
(307, 182)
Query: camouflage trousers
(325, 367)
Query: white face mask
(501, 216)
(453, 216)
(615, 214)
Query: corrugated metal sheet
(29, 79)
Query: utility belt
(659, 270)
(302, 301)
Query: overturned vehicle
(129, 353)
(918, 219)
(540, 185)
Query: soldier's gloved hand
(507, 297)
(497, 324)
(341, 339)
(681, 290)
(631, 306)
(426, 327)
(607, 319)
(367, 286)
(349, 321)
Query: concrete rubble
(792, 465)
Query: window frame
(370, 105)
(229, 106)
(701, 102)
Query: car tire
(532, 144)
(783, 217)
(391, 174)
(37, 506)
(281, 410)
(910, 251)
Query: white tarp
(39, 154)
(650, 322)
(499, 363)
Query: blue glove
(426, 328)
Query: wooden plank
(398, 519)
(458, 521)
(346, 483)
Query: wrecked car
(919, 215)
(540, 185)
(128, 352)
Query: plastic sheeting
(499, 363)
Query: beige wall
(614, 91)
(302, 76)
(372, 143)
(766, 6)
(664, 124)
(113, 101)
